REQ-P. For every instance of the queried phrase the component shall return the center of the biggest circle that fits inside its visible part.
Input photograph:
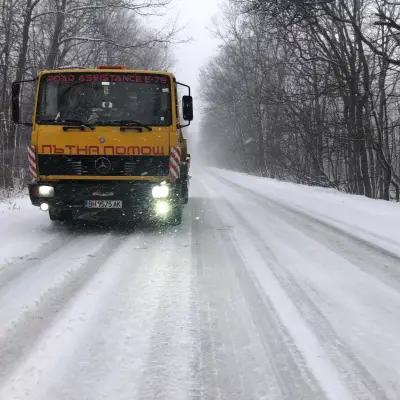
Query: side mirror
(187, 108)
(27, 107)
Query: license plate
(106, 204)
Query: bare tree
(38, 34)
(318, 92)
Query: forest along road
(248, 299)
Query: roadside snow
(24, 229)
(376, 221)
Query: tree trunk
(51, 60)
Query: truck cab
(108, 141)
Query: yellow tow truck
(107, 141)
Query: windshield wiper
(128, 123)
(69, 123)
(75, 123)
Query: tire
(182, 192)
(185, 192)
(176, 217)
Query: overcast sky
(196, 17)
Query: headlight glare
(46, 191)
(160, 192)
(44, 207)
(162, 208)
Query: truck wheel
(185, 192)
(176, 216)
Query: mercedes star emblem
(102, 140)
(103, 165)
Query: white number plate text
(103, 204)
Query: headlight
(44, 207)
(162, 208)
(160, 192)
(46, 191)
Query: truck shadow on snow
(140, 225)
(98, 227)
(193, 212)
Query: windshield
(104, 99)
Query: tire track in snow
(168, 372)
(103, 335)
(361, 383)
(247, 353)
(381, 243)
(357, 378)
(221, 344)
(15, 268)
(371, 258)
(18, 340)
(205, 364)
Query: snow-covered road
(267, 291)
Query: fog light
(162, 208)
(44, 207)
(160, 192)
(46, 191)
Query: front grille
(116, 165)
(76, 167)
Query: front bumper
(71, 196)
